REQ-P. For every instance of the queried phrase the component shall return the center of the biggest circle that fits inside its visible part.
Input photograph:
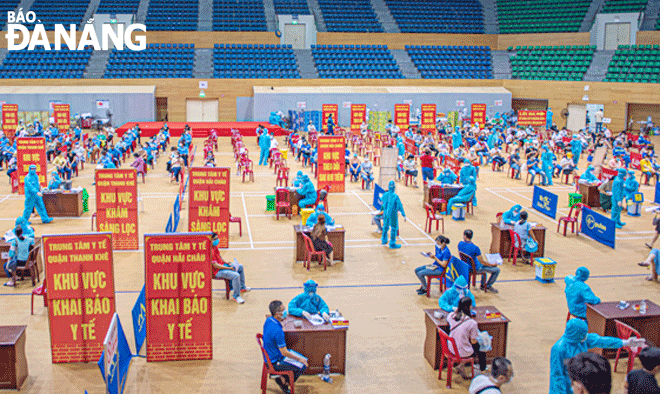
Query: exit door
(294, 35)
(202, 110)
(616, 34)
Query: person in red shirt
(427, 165)
(223, 270)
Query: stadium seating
(541, 16)
(553, 63)
(172, 15)
(612, 6)
(157, 61)
(65, 13)
(291, 7)
(452, 62)
(40, 63)
(639, 63)
(6, 5)
(355, 61)
(437, 16)
(118, 7)
(254, 61)
(350, 16)
(239, 15)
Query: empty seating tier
(157, 61)
(639, 63)
(553, 63)
(172, 15)
(350, 16)
(452, 62)
(254, 61)
(437, 16)
(541, 16)
(355, 61)
(239, 15)
(65, 13)
(40, 63)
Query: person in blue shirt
(307, 193)
(18, 254)
(355, 168)
(331, 125)
(512, 215)
(306, 151)
(577, 339)
(275, 346)
(578, 293)
(367, 172)
(449, 299)
(533, 169)
(441, 260)
(514, 162)
(483, 267)
(314, 217)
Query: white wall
(598, 29)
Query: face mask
(310, 294)
(285, 314)
(216, 242)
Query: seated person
(463, 328)
(501, 372)
(309, 303)
(483, 267)
(62, 166)
(378, 221)
(55, 181)
(579, 294)
(275, 346)
(605, 190)
(653, 261)
(21, 222)
(499, 161)
(139, 164)
(524, 230)
(442, 256)
(647, 168)
(450, 298)
(630, 185)
(355, 168)
(567, 165)
(319, 238)
(320, 211)
(465, 195)
(19, 252)
(514, 163)
(533, 169)
(588, 177)
(297, 181)
(643, 380)
(367, 171)
(233, 272)
(512, 215)
(307, 193)
(591, 373)
(447, 177)
(410, 166)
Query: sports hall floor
(374, 288)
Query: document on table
(494, 258)
(293, 361)
(316, 320)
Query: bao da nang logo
(19, 37)
(593, 224)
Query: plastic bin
(270, 203)
(304, 213)
(574, 198)
(458, 212)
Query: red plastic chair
(624, 331)
(498, 217)
(323, 200)
(236, 219)
(409, 178)
(450, 353)
(269, 370)
(227, 286)
(376, 154)
(437, 196)
(39, 291)
(565, 177)
(275, 155)
(248, 169)
(282, 177)
(282, 202)
(443, 283)
(473, 269)
(573, 220)
(310, 253)
(469, 207)
(515, 250)
(431, 216)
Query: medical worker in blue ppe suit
(631, 185)
(466, 194)
(618, 194)
(33, 197)
(547, 167)
(466, 172)
(449, 299)
(447, 177)
(578, 293)
(391, 207)
(309, 303)
(588, 177)
(307, 193)
(55, 181)
(28, 231)
(297, 181)
(576, 149)
(577, 339)
(512, 216)
(264, 148)
(456, 138)
(314, 217)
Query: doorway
(202, 110)
(161, 109)
(639, 115)
(294, 35)
(577, 117)
(616, 34)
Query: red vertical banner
(327, 110)
(358, 115)
(9, 119)
(208, 201)
(478, 114)
(81, 294)
(332, 165)
(402, 116)
(117, 206)
(31, 151)
(62, 117)
(178, 295)
(427, 122)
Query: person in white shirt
(310, 128)
(501, 373)
(273, 143)
(598, 117)
(395, 130)
(364, 129)
(409, 166)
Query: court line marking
(247, 221)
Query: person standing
(579, 294)
(391, 208)
(427, 166)
(598, 117)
